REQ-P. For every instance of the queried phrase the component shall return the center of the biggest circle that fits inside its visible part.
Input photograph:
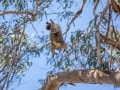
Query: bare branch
(16, 12)
(23, 12)
(95, 7)
(103, 13)
(98, 36)
(76, 15)
(115, 6)
(115, 44)
(95, 76)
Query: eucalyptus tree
(93, 54)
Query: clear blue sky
(39, 68)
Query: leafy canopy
(85, 48)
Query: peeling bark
(94, 76)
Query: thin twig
(95, 7)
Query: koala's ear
(51, 21)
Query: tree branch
(16, 12)
(76, 15)
(98, 36)
(24, 12)
(95, 7)
(115, 44)
(115, 6)
(95, 76)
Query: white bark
(94, 76)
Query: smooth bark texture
(115, 44)
(94, 76)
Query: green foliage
(15, 53)
(17, 4)
(17, 46)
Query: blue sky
(39, 68)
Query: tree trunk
(94, 76)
